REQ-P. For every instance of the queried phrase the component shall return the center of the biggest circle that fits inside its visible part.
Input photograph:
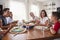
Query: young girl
(55, 19)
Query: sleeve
(36, 18)
(46, 18)
(56, 27)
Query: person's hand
(28, 25)
(52, 30)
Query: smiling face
(52, 18)
(31, 14)
(6, 13)
(42, 14)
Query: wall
(4, 3)
(57, 3)
(49, 12)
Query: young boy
(55, 19)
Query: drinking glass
(43, 29)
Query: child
(54, 18)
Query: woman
(44, 20)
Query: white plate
(41, 27)
(18, 30)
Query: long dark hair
(44, 12)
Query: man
(34, 18)
(31, 22)
(4, 15)
(5, 19)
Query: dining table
(32, 34)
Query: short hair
(44, 12)
(5, 9)
(56, 14)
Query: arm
(6, 31)
(14, 23)
(32, 21)
(46, 24)
(3, 27)
(35, 24)
(52, 30)
(55, 28)
(7, 26)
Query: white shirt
(9, 20)
(43, 20)
(35, 18)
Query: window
(18, 9)
(34, 9)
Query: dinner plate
(18, 30)
(41, 27)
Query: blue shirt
(4, 21)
